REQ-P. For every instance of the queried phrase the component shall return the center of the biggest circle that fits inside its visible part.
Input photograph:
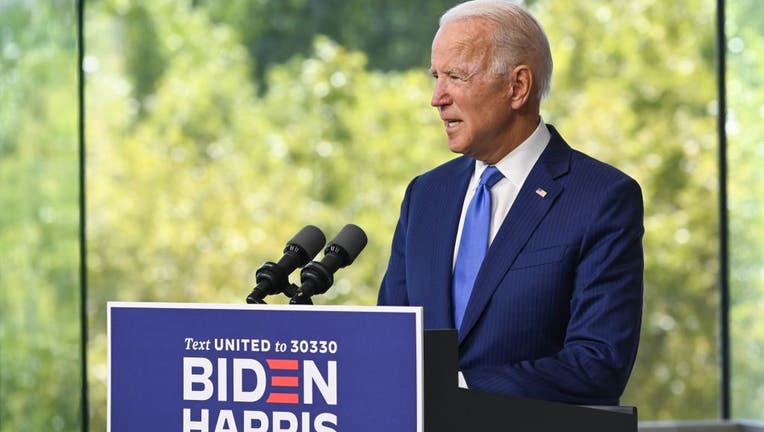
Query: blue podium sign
(264, 368)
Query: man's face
(473, 100)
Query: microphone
(317, 277)
(273, 278)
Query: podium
(448, 408)
(265, 368)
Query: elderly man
(530, 249)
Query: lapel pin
(541, 192)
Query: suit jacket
(556, 309)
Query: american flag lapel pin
(541, 192)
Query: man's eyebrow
(449, 71)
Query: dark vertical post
(724, 287)
(83, 217)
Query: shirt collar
(516, 165)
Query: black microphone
(273, 278)
(317, 277)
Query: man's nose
(440, 94)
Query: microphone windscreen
(311, 239)
(352, 239)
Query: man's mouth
(451, 124)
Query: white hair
(518, 38)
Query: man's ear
(521, 85)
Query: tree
(217, 129)
(239, 173)
(40, 340)
(274, 31)
(745, 137)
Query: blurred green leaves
(40, 364)
(216, 130)
(218, 173)
(745, 132)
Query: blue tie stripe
(474, 242)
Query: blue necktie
(474, 242)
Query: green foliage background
(215, 130)
(745, 131)
(39, 242)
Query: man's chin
(458, 147)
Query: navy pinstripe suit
(556, 308)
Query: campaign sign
(264, 368)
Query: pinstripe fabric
(555, 311)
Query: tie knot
(490, 176)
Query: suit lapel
(446, 208)
(536, 197)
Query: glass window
(40, 361)
(216, 130)
(745, 150)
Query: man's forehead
(475, 28)
(460, 51)
(466, 38)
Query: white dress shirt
(515, 167)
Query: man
(553, 309)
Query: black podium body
(449, 408)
